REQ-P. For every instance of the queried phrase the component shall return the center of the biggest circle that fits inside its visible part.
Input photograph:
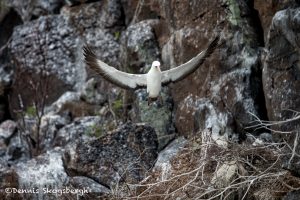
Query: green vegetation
(31, 111)
(117, 35)
(117, 105)
(95, 130)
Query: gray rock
(163, 163)
(141, 47)
(67, 98)
(225, 174)
(293, 195)
(91, 94)
(74, 2)
(281, 72)
(7, 129)
(158, 115)
(281, 79)
(18, 149)
(141, 50)
(208, 117)
(43, 47)
(43, 172)
(40, 55)
(29, 9)
(46, 45)
(80, 129)
(49, 129)
(123, 155)
(95, 189)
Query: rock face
(229, 78)
(52, 43)
(281, 73)
(281, 79)
(140, 49)
(123, 155)
(33, 9)
(48, 99)
(268, 8)
(163, 163)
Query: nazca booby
(155, 78)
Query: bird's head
(156, 65)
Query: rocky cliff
(229, 130)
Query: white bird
(155, 78)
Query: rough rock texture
(8, 179)
(95, 189)
(225, 174)
(29, 9)
(44, 40)
(268, 8)
(293, 195)
(140, 49)
(50, 127)
(18, 149)
(8, 20)
(43, 47)
(44, 171)
(163, 163)
(123, 155)
(80, 129)
(43, 77)
(230, 78)
(281, 78)
(281, 73)
(140, 46)
(7, 129)
(158, 115)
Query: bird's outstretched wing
(119, 78)
(182, 71)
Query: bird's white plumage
(126, 79)
(154, 78)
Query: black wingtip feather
(89, 56)
(213, 45)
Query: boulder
(47, 52)
(7, 129)
(44, 172)
(95, 190)
(281, 72)
(123, 155)
(44, 54)
(80, 129)
(30, 10)
(163, 164)
(230, 77)
(225, 174)
(49, 130)
(281, 80)
(8, 20)
(267, 9)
